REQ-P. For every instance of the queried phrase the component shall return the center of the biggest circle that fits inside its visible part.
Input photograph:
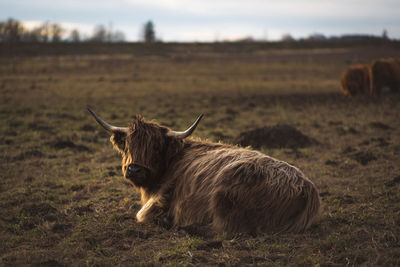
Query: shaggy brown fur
(356, 80)
(380, 76)
(230, 188)
(385, 75)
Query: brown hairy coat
(356, 80)
(231, 189)
(385, 75)
(381, 75)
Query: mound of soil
(279, 136)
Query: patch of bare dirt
(195, 230)
(331, 162)
(62, 116)
(393, 182)
(346, 199)
(380, 141)
(40, 126)
(250, 260)
(77, 187)
(82, 210)
(324, 194)
(41, 209)
(364, 157)
(209, 245)
(32, 215)
(29, 154)
(112, 171)
(131, 233)
(346, 130)
(49, 263)
(63, 144)
(379, 125)
(279, 136)
(6, 141)
(348, 149)
(88, 128)
(61, 227)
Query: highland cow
(188, 181)
(356, 80)
(384, 76)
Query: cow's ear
(118, 140)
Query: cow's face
(147, 149)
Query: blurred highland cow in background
(385, 76)
(356, 80)
(382, 76)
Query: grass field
(63, 200)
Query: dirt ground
(63, 200)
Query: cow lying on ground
(355, 80)
(381, 76)
(232, 189)
(385, 76)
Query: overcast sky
(210, 20)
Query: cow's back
(241, 190)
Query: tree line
(14, 31)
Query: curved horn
(109, 128)
(188, 132)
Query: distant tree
(75, 36)
(99, 34)
(149, 35)
(44, 31)
(247, 39)
(109, 32)
(11, 31)
(317, 37)
(35, 35)
(118, 36)
(287, 37)
(2, 31)
(29, 36)
(40, 34)
(56, 32)
(385, 34)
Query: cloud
(286, 8)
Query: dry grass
(63, 200)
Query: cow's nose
(134, 169)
